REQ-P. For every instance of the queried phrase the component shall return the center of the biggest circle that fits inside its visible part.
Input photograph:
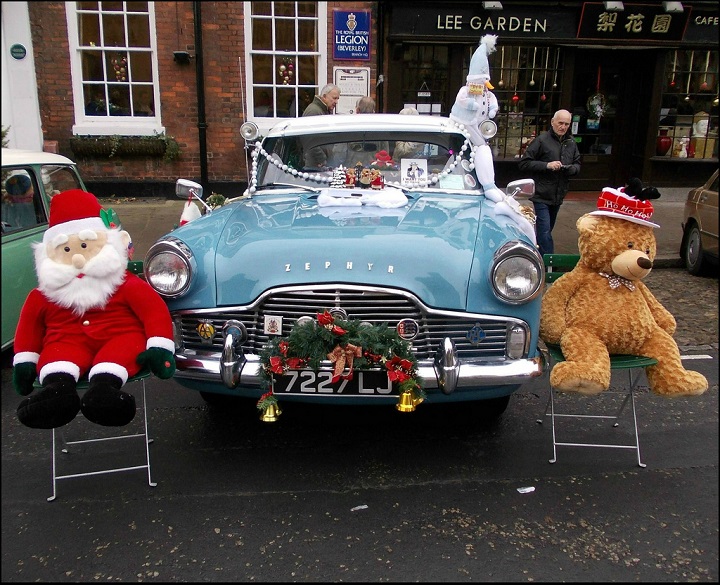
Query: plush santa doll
(89, 317)
(475, 103)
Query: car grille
(373, 306)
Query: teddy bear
(89, 317)
(602, 307)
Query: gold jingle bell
(407, 402)
(271, 413)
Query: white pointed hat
(479, 66)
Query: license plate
(364, 383)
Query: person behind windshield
(407, 149)
(323, 104)
(18, 209)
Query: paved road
(365, 494)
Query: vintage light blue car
(382, 222)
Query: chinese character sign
(640, 22)
(351, 35)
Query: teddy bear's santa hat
(615, 203)
(73, 211)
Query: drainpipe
(200, 82)
(380, 86)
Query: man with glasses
(551, 159)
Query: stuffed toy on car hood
(88, 318)
(602, 307)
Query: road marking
(696, 357)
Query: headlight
(517, 274)
(168, 267)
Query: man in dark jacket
(551, 159)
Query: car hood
(427, 247)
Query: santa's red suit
(134, 319)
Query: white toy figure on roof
(475, 103)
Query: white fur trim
(24, 357)
(162, 342)
(59, 368)
(109, 368)
(74, 226)
(626, 218)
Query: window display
(688, 123)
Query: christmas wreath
(348, 345)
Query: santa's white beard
(103, 274)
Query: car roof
(360, 122)
(18, 156)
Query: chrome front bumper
(445, 372)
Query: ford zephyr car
(375, 226)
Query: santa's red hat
(615, 203)
(73, 211)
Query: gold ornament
(407, 403)
(270, 413)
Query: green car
(29, 180)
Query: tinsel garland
(353, 344)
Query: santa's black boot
(53, 406)
(105, 404)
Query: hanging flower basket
(159, 145)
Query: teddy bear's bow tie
(615, 281)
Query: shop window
(527, 84)
(688, 124)
(114, 67)
(284, 63)
(425, 78)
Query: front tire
(693, 251)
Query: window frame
(265, 123)
(110, 125)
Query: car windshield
(356, 159)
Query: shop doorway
(610, 97)
(426, 76)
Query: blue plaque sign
(351, 35)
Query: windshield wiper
(288, 186)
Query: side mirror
(521, 187)
(185, 188)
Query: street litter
(526, 490)
(356, 508)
